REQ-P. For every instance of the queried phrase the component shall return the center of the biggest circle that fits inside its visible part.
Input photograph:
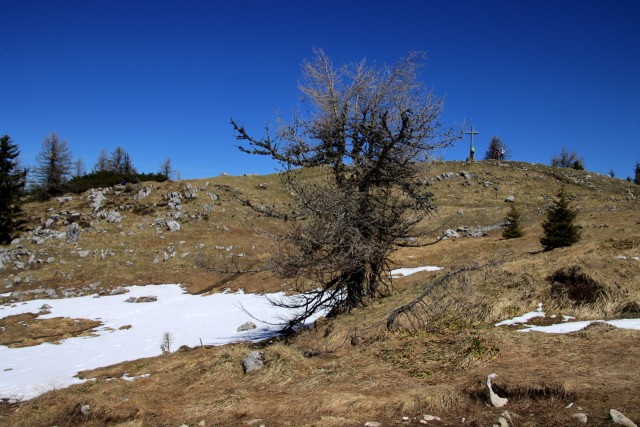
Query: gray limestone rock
(83, 254)
(173, 225)
(144, 192)
(118, 291)
(97, 198)
(466, 175)
(64, 199)
(450, 234)
(148, 298)
(73, 233)
(246, 327)
(580, 417)
(619, 418)
(37, 240)
(113, 216)
(253, 362)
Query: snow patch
(30, 371)
(524, 318)
(402, 272)
(567, 326)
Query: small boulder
(73, 233)
(173, 225)
(451, 234)
(246, 327)
(619, 418)
(144, 192)
(113, 216)
(64, 199)
(148, 298)
(466, 175)
(510, 199)
(118, 291)
(580, 417)
(253, 362)
(98, 198)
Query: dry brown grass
(23, 330)
(317, 377)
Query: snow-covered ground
(29, 371)
(566, 325)
(191, 319)
(401, 272)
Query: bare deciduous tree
(370, 127)
(103, 162)
(120, 162)
(567, 159)
(53, 165)
(78, 168)
(166, 169)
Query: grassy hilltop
(351, 369)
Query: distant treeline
(106, 178)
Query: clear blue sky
(162, 78)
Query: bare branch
(367, 126)
(417, 311)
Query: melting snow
(567, 326)
(401, 272)
(564, 328)
(29, 371)
(524, 318)
(132, 331)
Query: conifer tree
(496, 145)
(12, 181)
(636, 180)
(559, 227)
(513, 229)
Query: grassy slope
(437, 368)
